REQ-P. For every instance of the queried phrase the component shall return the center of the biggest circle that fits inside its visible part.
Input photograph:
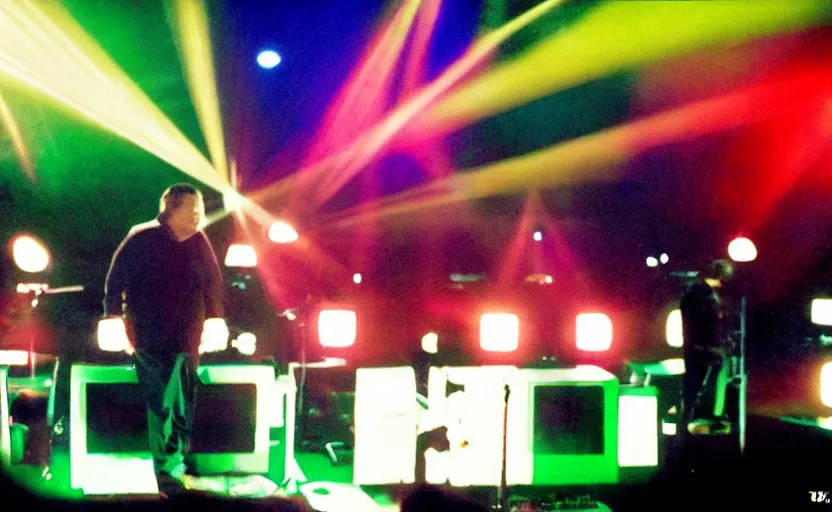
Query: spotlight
(673, 329)
(499, 332)
(742, 249)
(664, 258)
(593, 332)
(268, 59)
(337, 328)
(826, 384)
(356, 278)
(538, 236)
(241, 255)
(246, 343)
(822, 311)
(281, 232)
(430, 343)
(30, 255)
(652, 262)
(112, 335)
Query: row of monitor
(565, 426)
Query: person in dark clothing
(703, 327)
(165, 283)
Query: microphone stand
(38, 289)
(502, 491)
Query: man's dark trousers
(168, 384)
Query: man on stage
(164, 285)
(705, 335)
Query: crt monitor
(232, 418)
(108, 432)
(563, 427)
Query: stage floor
(785, 461)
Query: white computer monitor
(108, 432)
(386, 417)
(563, 427)
(5, 433)
(234, 409)
(470, 402)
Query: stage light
(246, 343)
(673, 329)
(241, 255)
(232, 201)
(337, 328)
(593, 332)
(538, 236)
(214, 335)
(268, 59)
(540, 278)
(30, 255)
(652, 262)
(356, 278)
(499, 332)
(281, 232)
(112, 335)
(742, 249)
(430, 343)
(664, 258)
(822, 311)
(826, 384)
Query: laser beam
(599, 157)
(612, 37)
(44, 48)
(195, 49)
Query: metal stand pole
(503, 489)
(741, 413)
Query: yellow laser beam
(598, 157)
(612, 37)
(196, 54)
(43, 47)
(10, 123)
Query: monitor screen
(568, 420)
(225, 419)
(116, 418)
